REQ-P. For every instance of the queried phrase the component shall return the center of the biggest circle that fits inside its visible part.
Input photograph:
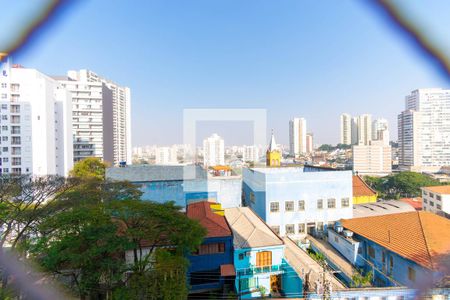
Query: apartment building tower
(35, 123)
(297, 136)
(101, 117)
(424, 130)
(213, 151)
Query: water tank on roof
(348, 233)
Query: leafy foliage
(359, 280)
(90, 167)
(403, 184)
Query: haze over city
(291, 58)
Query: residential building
(259, 257)
(211, 266)
(213, 151)
(346, 129)
(295, 201)
(364, 123)
(374, 158)
(250, 154)
(436, 199)
(362, 192)
(101, 117)
(166, 155)
(309, 143)
(297, 137)
(273, 154)
(424, 131)
(35, 123)
(380, 131)
(406, 249)
(181, 184)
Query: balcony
(260, 270)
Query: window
(274, 207)
(383, 257)
(411, 274)
(210, 249)
(320, 203)
(5, 159)
(4, 85)
(301, 205)
(391, 264)
(15, 108)
(345, 202)
(371, 252)
(290, 229)
(438, 197)
(425, 193)
(301, 228)
(4, 127)
(15, 129)
(5, 106)
(431, 195)
(4, 117)
(276, 229)
(332, 203)
(16, 171)
(438, 206)
(248, 283)
(336, 240)
(252, 197)
(15, 140)
(15, 150)
(289, 206)
(5, 149)
(15, 119)
(4, 138)
(4, 96)
(431, 203)
(16, 161)
(320, 226)
(241, 256)
(425, 200)
(264, 258)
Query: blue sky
(312, 59)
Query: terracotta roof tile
(361, 188)
(421, 236)
(215, 225)
(440, 189)
(414, 202)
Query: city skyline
(212, 64)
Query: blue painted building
(408, 249)
(294, 201)
(259, 257)
(181, 184)
(211, 266)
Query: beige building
(372, 159)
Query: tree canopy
(403, 184)
(90, 167)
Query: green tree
(359, 280)
(90, 167)
(403, 184)
(326, 147)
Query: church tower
(273, 154)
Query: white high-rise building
(166, 156)
(297, 136)
(251, 153)
(35, 123)
(380, 130)
(364, 123)
(346, 129)
(101, 117)
(424, 130)
(372, 159)
(213, 151)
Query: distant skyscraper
(364, 123)
(346, 129)
(354, 125)
(309, 143)
(35, 123)
(101, 117)
(380, 130)
(424, 130)
(297, 136)
(213, 151)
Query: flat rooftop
(380, 208)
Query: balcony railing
(259, 270)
